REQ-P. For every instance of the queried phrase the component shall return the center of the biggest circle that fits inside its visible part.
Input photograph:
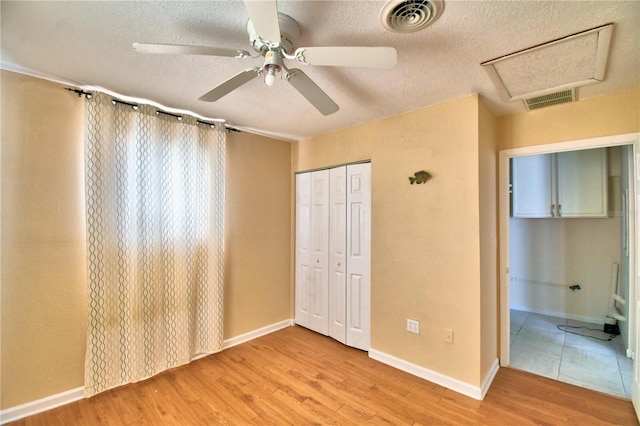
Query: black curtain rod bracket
(79, 92)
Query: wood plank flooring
(295, 376)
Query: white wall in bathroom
(548, 255)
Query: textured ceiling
(89, 43)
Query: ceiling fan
(274, 35)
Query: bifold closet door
(337, 254)
(333, 228)
(349, 255)
(311, 275)
(358, 256)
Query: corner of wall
(488, 181)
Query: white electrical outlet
(448, 335)
(413, 326)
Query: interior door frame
(503, 214)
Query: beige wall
(425, 238)
(487, 134)
(43, 294)
(612, 114)
(563, 251)
(258, 215)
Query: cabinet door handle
(559, 210)
(552, 211)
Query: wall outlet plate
(448, 335)
(413, 326)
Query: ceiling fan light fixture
(406, 16)
(270, 76)
(272, 64)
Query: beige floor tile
(538, 346)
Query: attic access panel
(575, 60)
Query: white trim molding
(243, 338)
(439, 378)
(67, 397)
(40, 405)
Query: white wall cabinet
(332, 266)
(566, 184)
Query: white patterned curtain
(155, 224)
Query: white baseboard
(40, 405)
(488, 379)
(438, 378)
(54, 401)
(228, 343)
(593, 320)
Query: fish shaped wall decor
(419, 177)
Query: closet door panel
(337, 258)
(359, 255)
(320, 251)
(303, 290)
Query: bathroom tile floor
(538, 346)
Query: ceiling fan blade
(371, 57)
(264, 17)
(230, 85)
(175, 49)
(312, 92)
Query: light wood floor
(295, 376)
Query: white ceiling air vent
(406, 16)
(551, 99)
(549, 73)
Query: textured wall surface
(43, 240)
(257, 281)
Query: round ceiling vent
(405, 16)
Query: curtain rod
(205, 123)
(136, 107)
(177, 116)
(132, 105)
(79, 92)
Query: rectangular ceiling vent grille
(551, 99)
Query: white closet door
(311, 274)
(337, 251)
(358, 248)
(319, 282)
(303, 295)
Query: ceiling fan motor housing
(289, 34)
(273, 59)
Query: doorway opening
(539, 302)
